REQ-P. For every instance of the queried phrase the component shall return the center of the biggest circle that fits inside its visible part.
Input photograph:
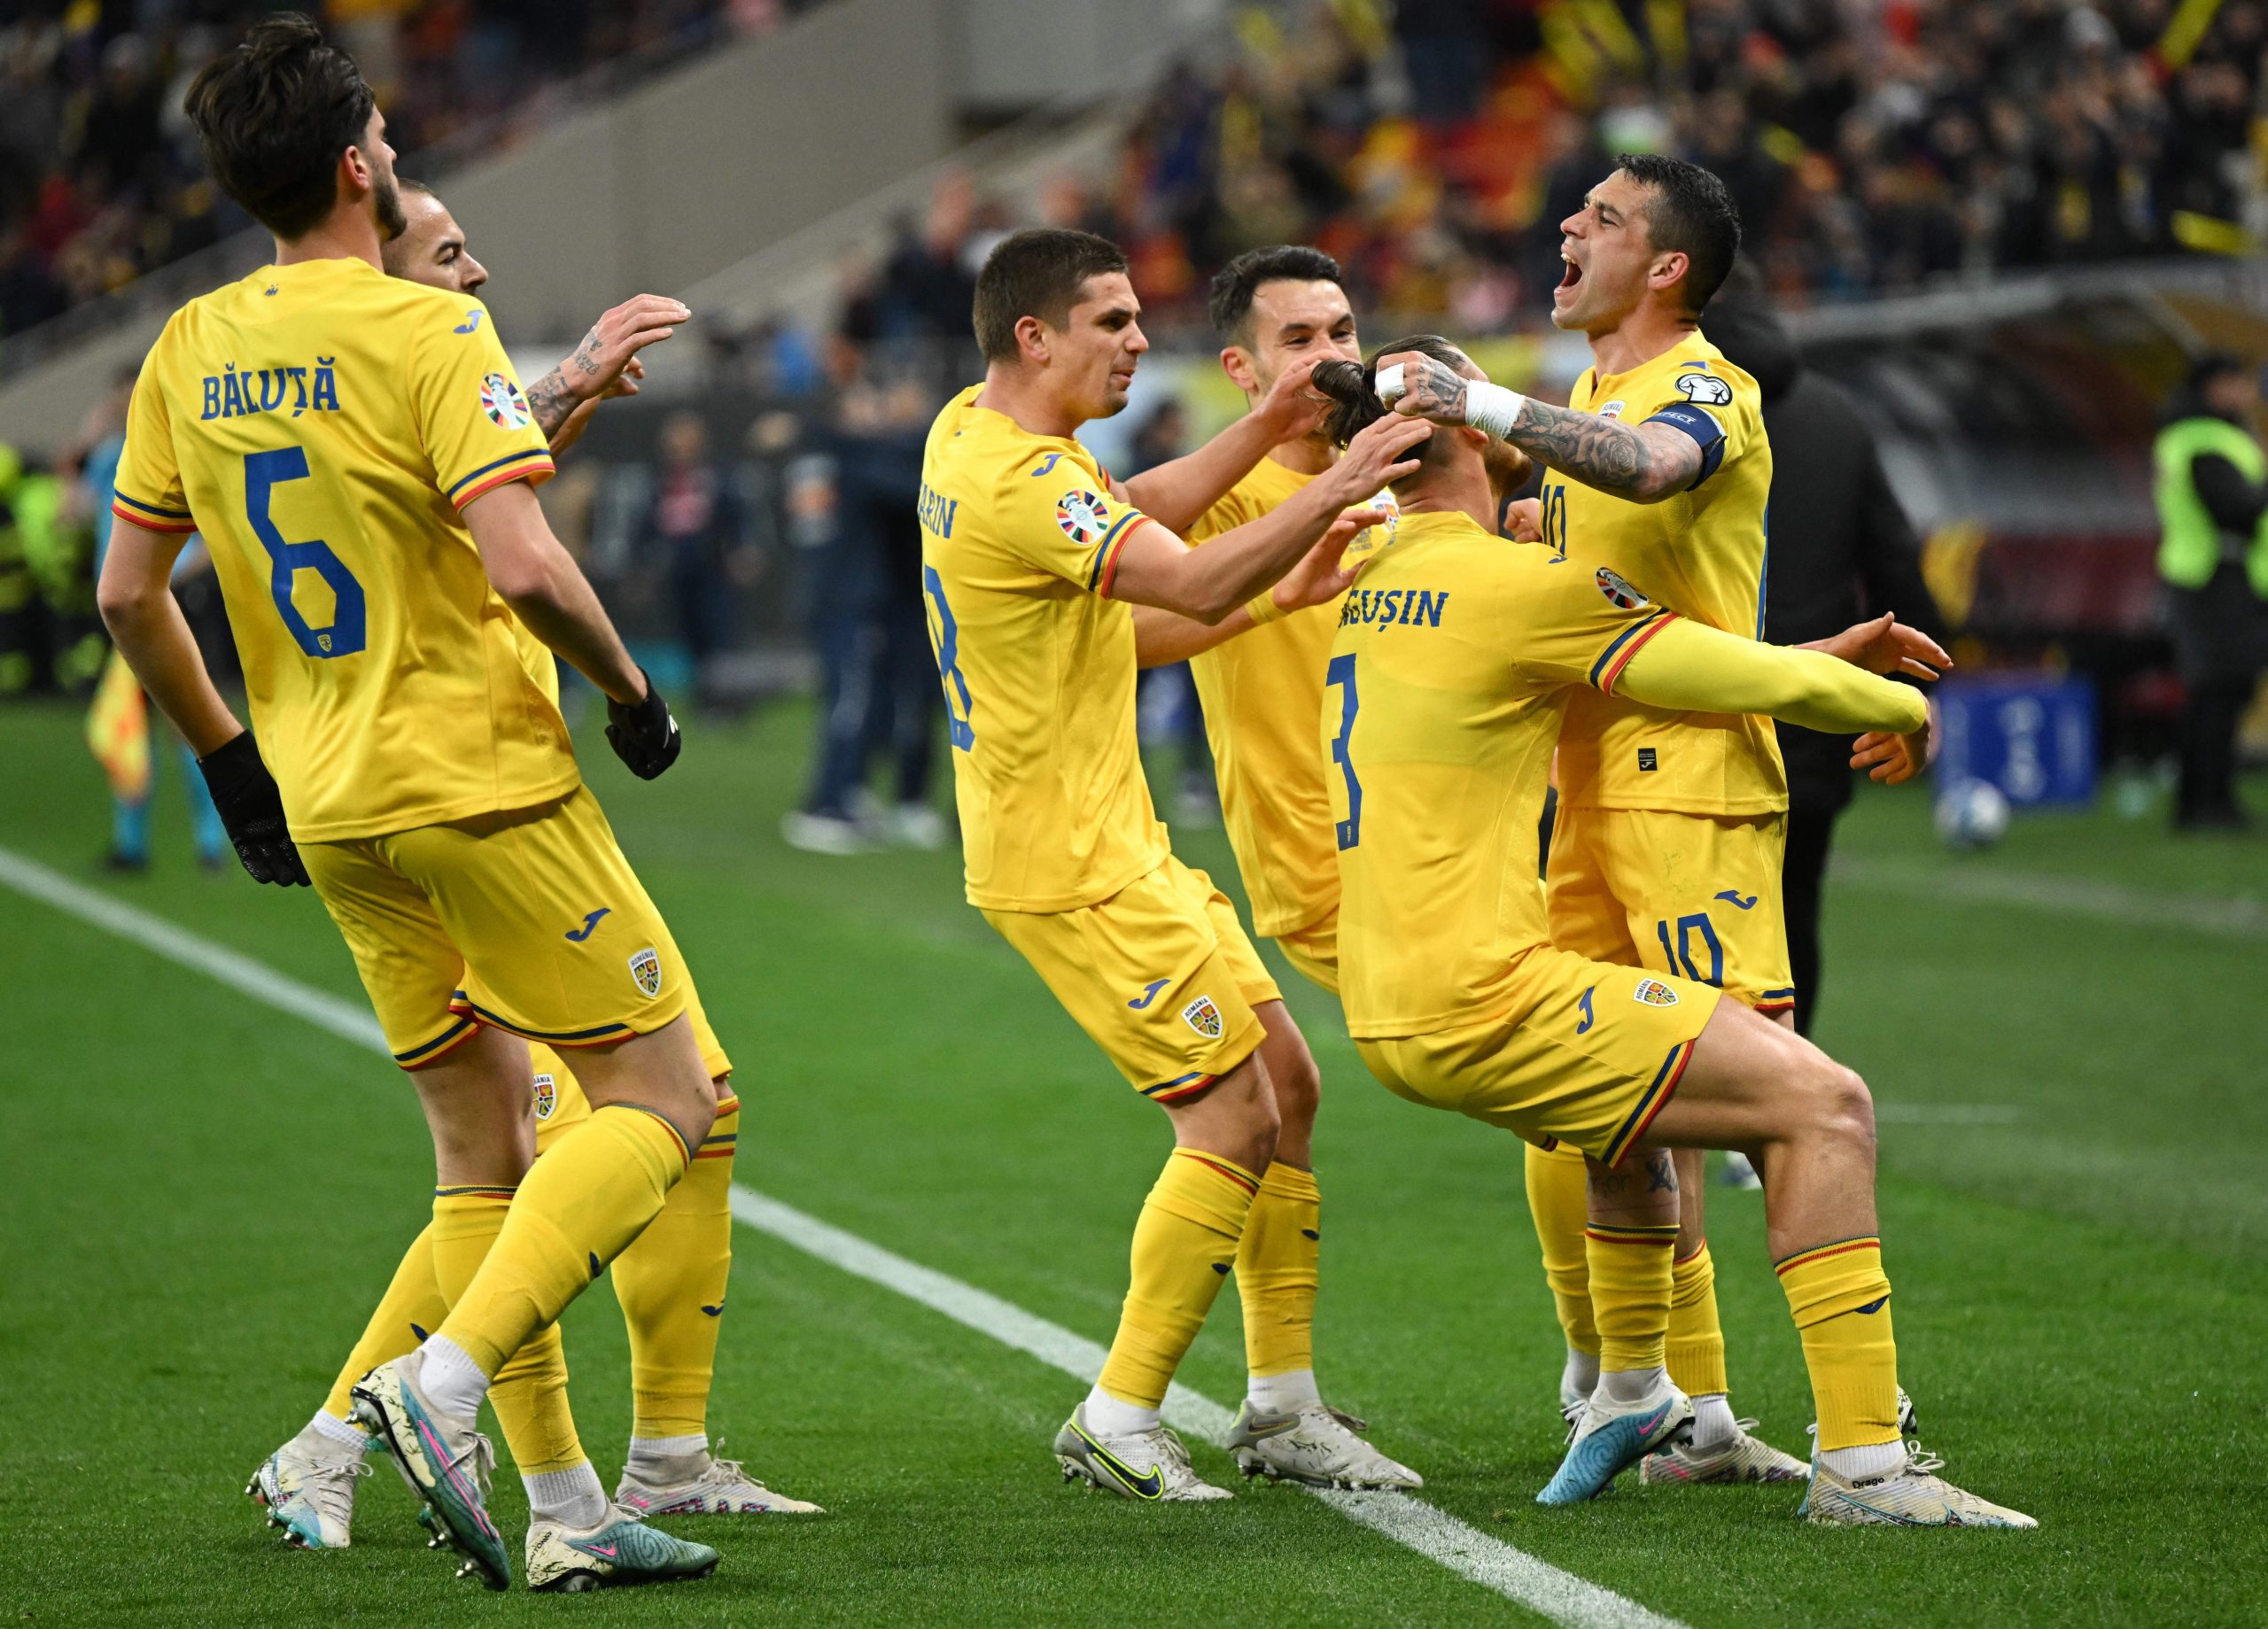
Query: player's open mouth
(1574, 273)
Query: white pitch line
(1955, 882)
(1462, 1548)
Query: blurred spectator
(2213, 498)
(1842, 550)
(697, 519)
(878, 676)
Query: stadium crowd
(1433, 146)
(99, 177)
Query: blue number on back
(1341, 672)
(958, 710)
(263, 473)
(1682, 955)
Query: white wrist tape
(1492, 407)
(1486, 407)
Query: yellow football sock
(588, 1197)
(670, 1282)
(1184, 1242)
(1696, 1339)
(1630, 1285)
(529, 1390)
(1276, 1262)
(411, 1309)
(1840, 1297)
(1558, 1197)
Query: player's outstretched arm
(604, 365)
(1695, 669)
(1177, 492)
(1157, 569)
(548, 591)
(1163, 638)
(1645, 463)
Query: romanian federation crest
(646, 967)
(1618, 588)
(1080, 513)
(1654, 993)
(547, 1096)
(1202, 1016)
(502, 401)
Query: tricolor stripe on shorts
(460, 1002)
(1665, 1083)
(1183, 1086)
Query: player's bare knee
(1841, 1107)
(1298, 1086)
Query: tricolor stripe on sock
(1248, 1183)
(1616, 1233)
(1820, 1253)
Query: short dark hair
(1230, 304)
(274, 114)
(1691, 211)
(1353, 388)
(1037, 273)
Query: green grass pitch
(203, 1197)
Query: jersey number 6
(263, 473)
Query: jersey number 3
(1341, 672)
(263, 473)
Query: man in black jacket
(1842, 550)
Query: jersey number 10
(263, 473)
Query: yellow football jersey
(1700, 553)
(321, 424)
(1262, 692)
(1452, 667)
(1020, 539)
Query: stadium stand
(99, 178)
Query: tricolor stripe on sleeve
(150, 517)
(1626, 644)
(518, 467)
(1107, 553)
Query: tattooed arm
(1642, 462)
(605, 364)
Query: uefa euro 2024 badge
(502, 401)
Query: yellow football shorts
(1159, 976)
(1694, 896)
(1591, 1057)
(559, 1100)
(1314, 949)
(528, 919)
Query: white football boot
(1150, 1465)
(307, 1487)
(1739, 1458)
(1315, 1444)
(620, 1549)
(724, 1488)
(1911, 1495)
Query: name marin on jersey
(231, 394)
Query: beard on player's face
(387, 197)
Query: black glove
(643, 735)
(252, 809)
